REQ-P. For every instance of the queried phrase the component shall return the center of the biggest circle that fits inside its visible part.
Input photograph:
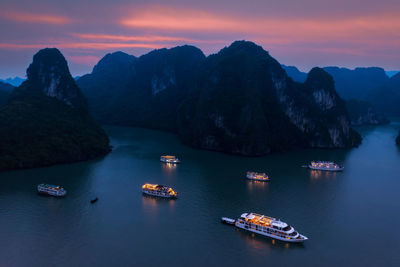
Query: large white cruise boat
(325, 166)
(52, 190)
(257, 176)
(270, 227)
(159, 191)
(169, 159)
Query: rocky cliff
(246, 104)
(238, 101)
(363, 113)
(46, 119)
(146, 91)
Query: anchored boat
(257, 176)
(51, 190)
(268, 226)
(325, 166)
(169, 159)
(159, 191)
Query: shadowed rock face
(49, 73)
(363, 113)
(144, 91)
(238, 101)
(247, 105)
(5, 90)
(46, 120)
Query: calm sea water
(351, 218)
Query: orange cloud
(35, 18)
(166, 18)
(161, 18)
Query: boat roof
(168, 157)
(257, 217)
(279, 224)
(50, 185)
(155, 186)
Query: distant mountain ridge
(238, 101)
(386, 98)
(46, 121)
(350, 84)
(16, 81)
(373, 93)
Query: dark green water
(351, 218)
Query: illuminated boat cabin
(269, 226)
(159, 191)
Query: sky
(304, 33)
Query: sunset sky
(304, 33)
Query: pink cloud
(27, 17)
(162, 18)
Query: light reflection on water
(154, 203)
(257, 185)
(320, 205)
(263, 244)
(318, 174)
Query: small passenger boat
(325, 166)
(51, 190)
(169, 159)
(257, 176)
(159, 191)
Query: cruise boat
(52, 190)
(159, 191)
(270, 227)
(256, 176)
(169, 159)
(325, 166)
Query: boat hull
(326, 169)
(257, 179)
(273, 236)
(175, 161)
(156, 194)
(53, 194)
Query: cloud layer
(303, 33)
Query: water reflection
(168, 168)
(152, 203)
(318, 174)
(257, 185)
(264, 244)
